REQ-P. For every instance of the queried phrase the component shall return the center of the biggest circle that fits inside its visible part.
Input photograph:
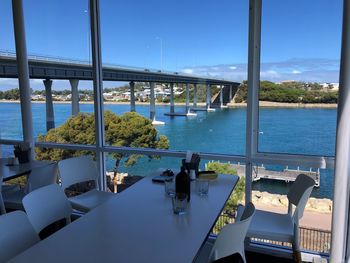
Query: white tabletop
(10, 172)
(137, 225)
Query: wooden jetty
(286, 175)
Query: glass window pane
(271, 195)
(62, 93)
(173, 49)
(10, 111)
(299, 77)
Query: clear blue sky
(300, 38)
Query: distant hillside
(291, 92)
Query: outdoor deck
(287, 175)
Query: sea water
(281, 130)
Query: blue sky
(300, 39)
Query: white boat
(155, 122)
(191, 114)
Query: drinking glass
(169, 187)
(203, 187)
(179, 203)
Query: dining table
(8, 172)
(137, 225)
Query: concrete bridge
(53, 68)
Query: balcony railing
(311, 239)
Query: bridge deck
(57, 68)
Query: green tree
(127, 130)
(290, 92)
(238, 194)
(12, 94)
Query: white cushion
(89, 200)
(271, 226)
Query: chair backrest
(298, 195)
(42, 176)
(231, 237)
(76, 170)
(47, 205)
(17, 235)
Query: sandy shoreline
(264, 104)
(105, 102)
(271, 104)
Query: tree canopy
(127, 130)
(290, 92)
(238, 194)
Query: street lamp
(161, 52)
(88, 33)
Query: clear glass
(271, 195)
(180, 204)
(299, 80)
(146, 45)
(202, 187)
(169, 187)
(71, 122)
(10, 112)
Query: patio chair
(77, 170)
(230, 239)
(47, 205)
(38, 177)
(284, 227)
(17, 235)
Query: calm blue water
(303, 131)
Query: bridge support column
(187, 97)
(221, 96)
(230, 87)
(152, 115)
(172, 98)
(50, 117)
(75, 96)
(195, 95)
(208, 96)
(23, 74)
(132, 96)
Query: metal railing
(311, 239)
(72, 61)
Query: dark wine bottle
(183, 183)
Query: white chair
(17, 235)
(284, 227)
(81, 169)
(231, 237)
(38, 177)
(47, 205)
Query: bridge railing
(47, 58)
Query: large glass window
(179, 39)
(59, 53)
(299, 87)
(10, 112)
